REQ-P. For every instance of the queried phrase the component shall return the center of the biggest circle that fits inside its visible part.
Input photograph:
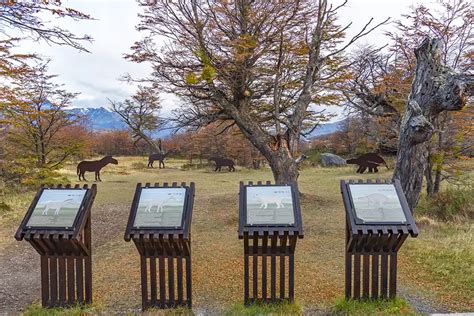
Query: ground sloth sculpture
(368, 161)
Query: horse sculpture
(94, 166)
(368, 161)
(160, 157)
(223, 162)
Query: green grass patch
(442, 259)
(283, 308)
(449, 205)
(178, 311)
(372, 307)
(38, 310)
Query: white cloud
(96, 75)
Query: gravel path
(19, 277)
(20, 263)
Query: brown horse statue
(94, 166)
(160, 157)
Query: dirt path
(20, 274)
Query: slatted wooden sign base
(378, 221)
(58, 226)
(160, 225)
(270, 224)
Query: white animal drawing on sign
(375, 199)
(159, 204)
(55, 205)
(269, 199)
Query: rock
(331, 160)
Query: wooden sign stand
(371, 249)
(66, 255)
(162, 254)
(269, 244)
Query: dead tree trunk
(435, 88)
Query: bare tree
(28, 18)
(36, 116)
(140, 114)
(258, 65)
(436, 88)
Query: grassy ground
(435, 272)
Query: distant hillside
(327, 128)
(105, 119)
(100, 118)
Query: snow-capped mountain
(100, 118)
(104, 119)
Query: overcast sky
(96, 75)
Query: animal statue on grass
(369, 161)
(94, 166)
(160, 157)
(223, 162)
(56, 206)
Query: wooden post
(373, 247)
(162, 252)
(276, 243)
(66, 253)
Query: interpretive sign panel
(159, 225)
(56, 208)
(376, 203)
(378, 221)
(160, 207)
(270, 205)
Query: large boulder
(331, 160)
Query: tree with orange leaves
(257, 65)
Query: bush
(4, 208)
(450, 204)
(23, 174)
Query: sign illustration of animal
(56, 206)
(223, 162)
(159, 204)
(368, 161)
(94, 166)
(269, 199)
(374, 200)
(160, 157)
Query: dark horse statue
(160, 157)
(223, 162)
(368, 161)
(94, 166)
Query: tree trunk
(437, 181)
(429, 178)
(284, 168)
(435, 89)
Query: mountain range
(102, 118)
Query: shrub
(450, 204)
(23, 174)
(4, 208)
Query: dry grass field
(430, 279)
